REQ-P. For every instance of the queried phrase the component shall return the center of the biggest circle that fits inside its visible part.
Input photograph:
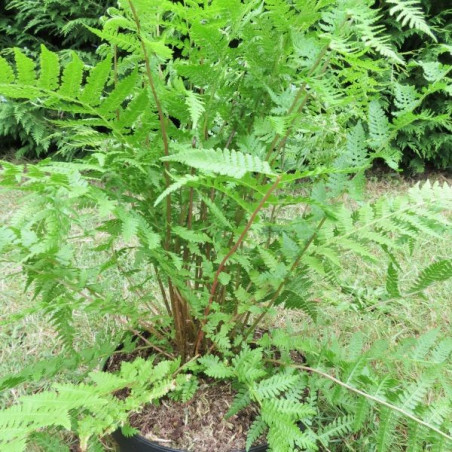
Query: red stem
(226, 258)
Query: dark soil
(141, 350)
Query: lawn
(355, 307)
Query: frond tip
(438, 271)
(410, 12)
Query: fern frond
(185, 180)
(210, 38)
(360, 414)
(215, 368)
(438, 271)
(217, 213)
(130, 224)
(423, 344)
(120, 93)
(241, 401)
(226, 162)
(257, 429)
(190, 235)
(92, 403)
(195, 107)
(406, 98)
(385, 431)
(127, 42)
(410, 12)
(293, 300)
(275, 385)
(269, 259)
(337, 428)
(442, 351)
(388, 217)
(413, 395)
(379, 130)
(294, 408)
(392, 281)
(366, 21)
(135, 108)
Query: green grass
(355, 307)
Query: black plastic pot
(138, 443)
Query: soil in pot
(197, 425)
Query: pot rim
(159, 448)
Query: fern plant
(192, 121)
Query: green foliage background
(426, 142)
(60, 26)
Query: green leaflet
(225, 162)
(406, 98)
(378, 125)
(6, 72)
(96, 81)
(25, 67)
(424, 344)
(137, 106)
(275, 385)
(174, 187)
(72, 77)
(217, 212)
(159, 49)
(392, 281)
(293, 300)
(371, 33)
(195, 106)
(438, 271)
(338, 428)
(258, 427)
(241, 400)
(49, 77)
(191, 236)
(215, 368)
(434, 71)
(124, 41)
(119, 94)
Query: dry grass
(19, 343)
(359, 307)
